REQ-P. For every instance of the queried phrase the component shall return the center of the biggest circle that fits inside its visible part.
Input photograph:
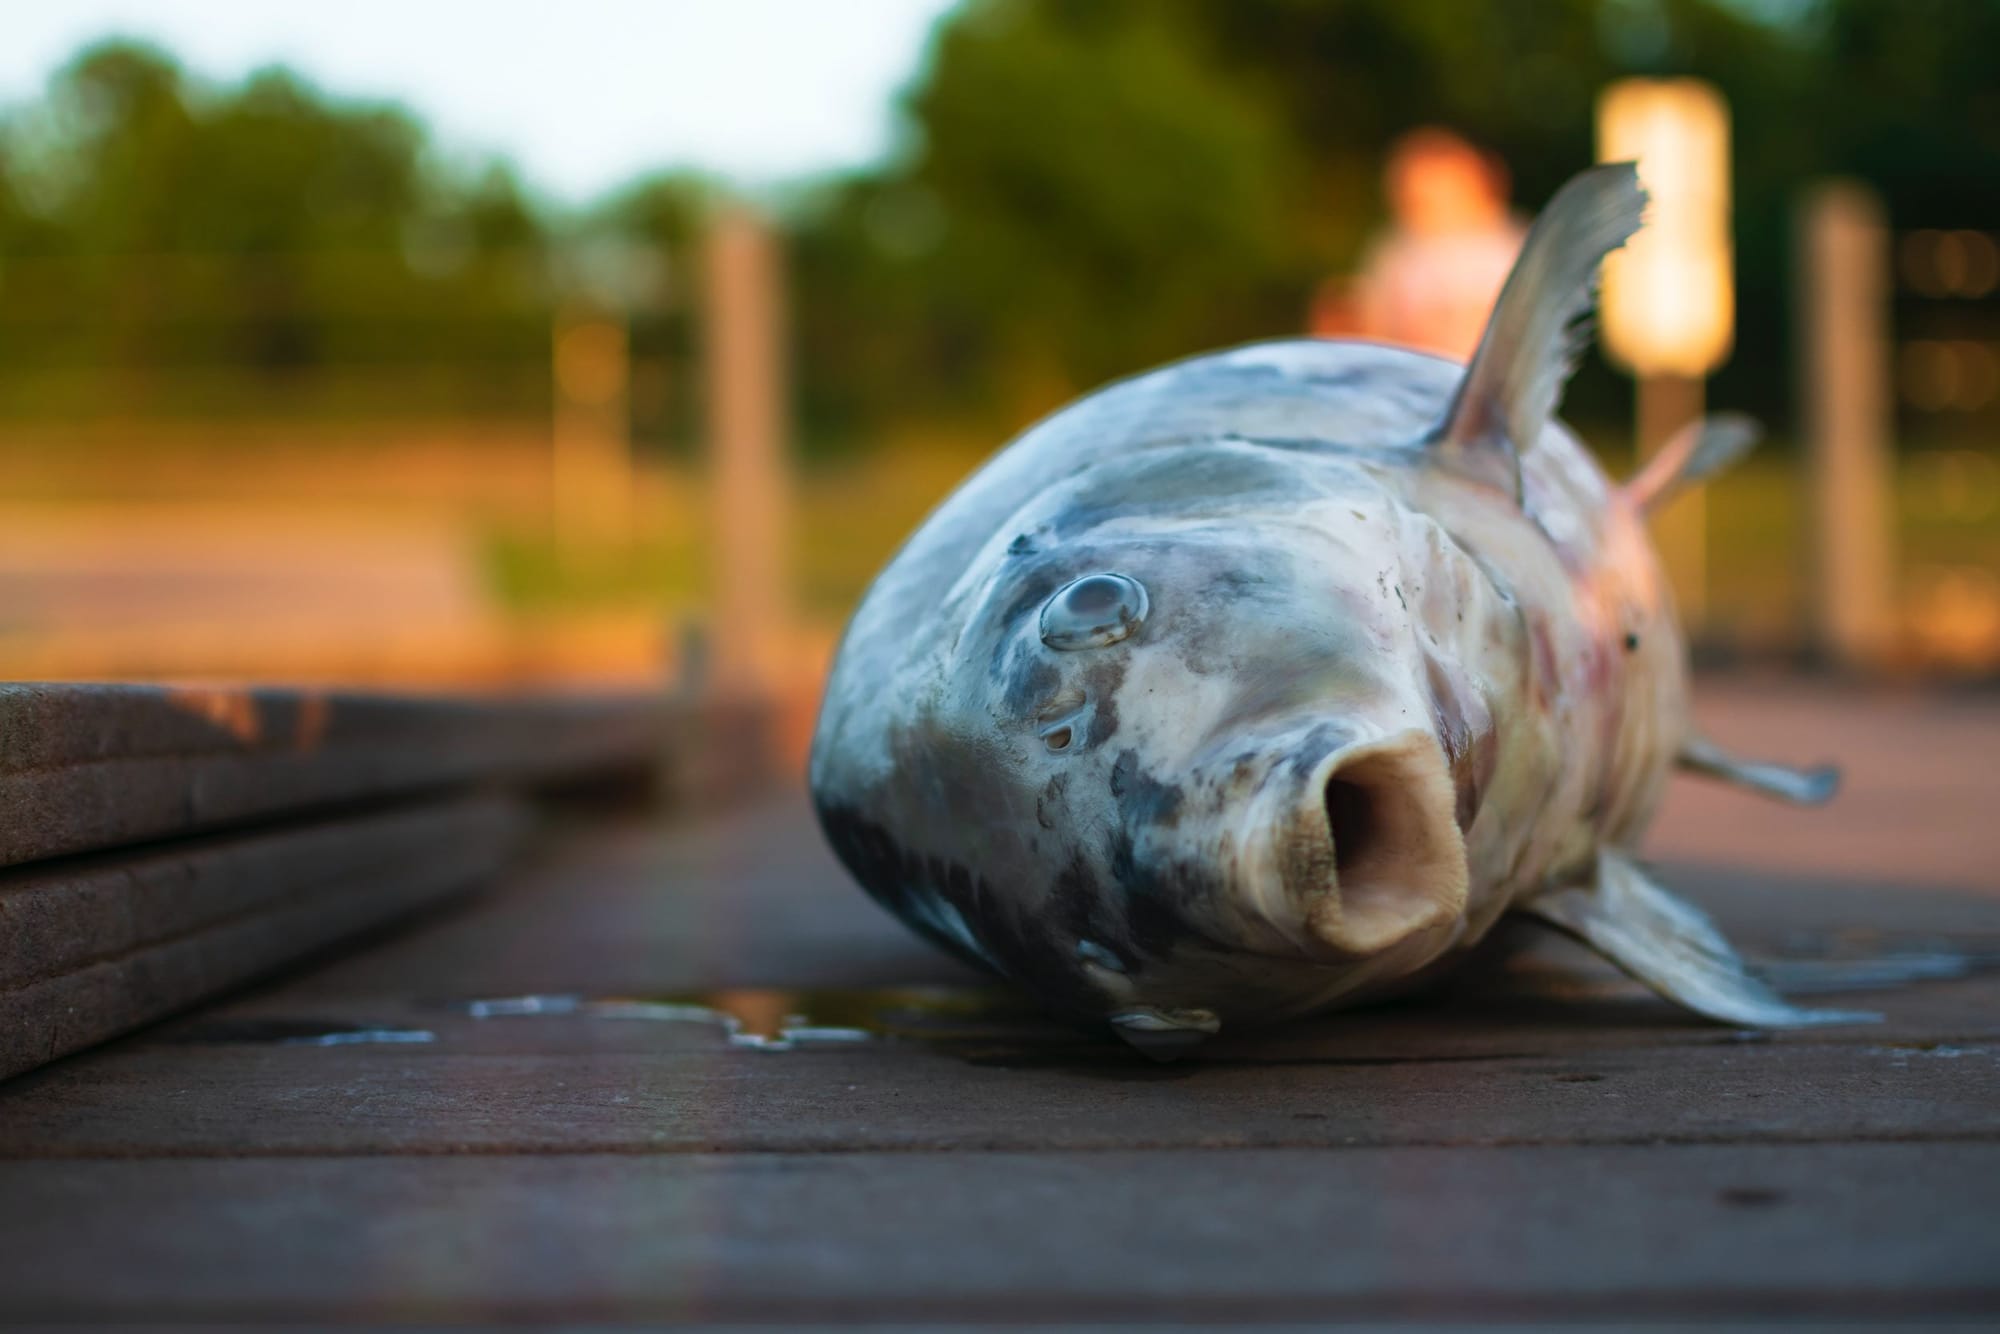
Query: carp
(1270, 680)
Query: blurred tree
(1521, 80)
(167, 245)
(1091, 186)
(1910, 101)
(652, 231)
(1086, 188)
(1088, 196)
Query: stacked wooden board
(162, 844)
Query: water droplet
(295, 1032)
(361, 1037)
(758, 1019)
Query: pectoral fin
(1671, 946)
(1801, 787)
(1698, 451)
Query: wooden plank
(99, 946)
(88, 767)
(579, 1085)
(747, 897)
(1917, 773)
(1884, 1231)
(1553, 1047)
(58, 917)
(753, 898)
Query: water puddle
(989, 1028)
(980, 1024)
(998, 1027)
(774, 1019)
(295, 1033)
(1900, 1054)
(361, 1037)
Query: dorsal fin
(1697, 452)
(1533, 338)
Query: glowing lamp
(1668, 304)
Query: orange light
(1669, 302)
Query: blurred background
(477, 345)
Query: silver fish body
(1272, 679)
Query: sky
(582, 94)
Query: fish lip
(1397, 874)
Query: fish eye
(1058, 738)
(1093, 611)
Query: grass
(847, 520)
(845, 523)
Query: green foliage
(1087, 198)
(1915, 107)
(640, 250)
(178, 249)
(1086, 188)
(1093, 186)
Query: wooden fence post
(747, 439)
(1843, 386)
(591, 484)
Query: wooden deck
(367, 1141)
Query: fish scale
(1271, 680)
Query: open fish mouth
(1345, 868)
(1355, 850)
(1399, 863)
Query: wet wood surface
(404, 1134)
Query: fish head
(1171, 763)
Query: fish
(1269, 681)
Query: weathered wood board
(261, 1086)
(124, 904)
(89, 767)
(92, 947)
(1888, 1232)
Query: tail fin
(1698, 451)
(1534, 337)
